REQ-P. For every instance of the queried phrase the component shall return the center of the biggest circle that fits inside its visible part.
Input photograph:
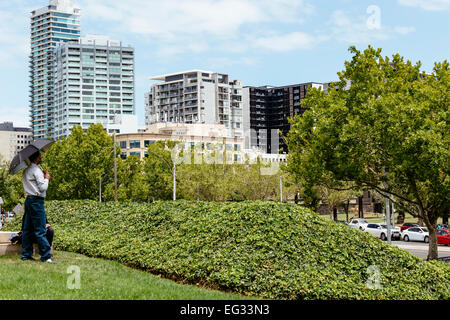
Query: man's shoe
(50, 260)
(30, 258)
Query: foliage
(77, 163)
(265, 249)
(131, 184)
(388, 131)
(11, 189)
(227, 182)
(158, 171)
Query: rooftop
(65, 6)
(9, 126)
(164, 76)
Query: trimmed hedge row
(265, 249)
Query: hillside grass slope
(99, 279)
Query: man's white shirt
(34, 182)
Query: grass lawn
(99, 280)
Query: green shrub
(265, 249)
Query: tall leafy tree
(78, 162)
(11, 189)
(131, 184)
(388, 131)
(158, 170)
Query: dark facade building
(270, 109)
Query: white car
(416, 234)
(380, 230)
(358, 223)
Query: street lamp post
(281, 189)
(174, 182)
(388, 211)
(115, 169)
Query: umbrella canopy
(21, 161)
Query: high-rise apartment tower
(94, 82)
(50, 25)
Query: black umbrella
(21, 161)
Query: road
(420, 249)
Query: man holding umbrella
(35, 182)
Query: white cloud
(357, 30)
(194, 26)
(404, 30)
(169, 17)
(14, 40)
(286, 42)
(429, 5)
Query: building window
(135, 144)
(148, 143)
(123, 144)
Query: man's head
(36, 158)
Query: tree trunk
(432, 248)
(346, 209)
(420, 222)
(335, 214)
(360, 207)
(432, 245)
(400, 218)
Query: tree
(11, 189)
(252, 184)
(131, 184)
(388, 131)
(78, 162)
(158, 170)
(338, 199)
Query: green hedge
(265, 249)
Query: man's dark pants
(34, 224)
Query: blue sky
(261, 42)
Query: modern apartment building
(50, 25)
(197, 96)
(270, 108)
(12, 140)
(94, 82)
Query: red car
(443, 236)
(408, 225)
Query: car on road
(416, 234)
(380, 230)
(408, 225)
(358, 223)
(443, 236)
